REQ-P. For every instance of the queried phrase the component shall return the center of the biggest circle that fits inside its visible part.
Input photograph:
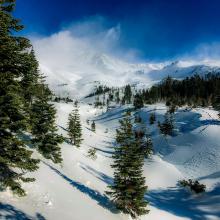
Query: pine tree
(166, 128)
(30, 80)
(74, 127)
(148, 146)
(127, 94)
(138, 101)
(216, 104)
(44, 130)
(15, 158)
(92, 153)
(152, 118)
(137, 119)
(128, 189)
(93, 126)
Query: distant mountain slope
(77, 73)
(180, 70)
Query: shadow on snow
(102, 200)
(182, 203)
(101, 176)
(10, 212)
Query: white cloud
(84, 52)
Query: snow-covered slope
(76, 189)
(182, 69)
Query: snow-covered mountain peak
(78, 70)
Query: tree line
(193, 91)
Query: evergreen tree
(149, 146)
(145, 142)
(127, 94)
(92, 153)
(128, 189)
(15, 159)
(93, 126)
(166, 128)
(44, 130)
(216, 103)
(74, 127)
(152, 118)
(194, 91)
(30, 80)
(138, 101)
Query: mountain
(78, 77)
(181, 69)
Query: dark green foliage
(99, 90)
(59, 99)
(137, 119)
(172, 108)
(129, 188)
(74, 127)
(193, 91)
(117, 97)
(216, 103)
(43, 128)
(127, 94)
(148, 146)
(152, 118)
(98, 103)
(92, 153)
(15, 65)
(166, 128)
(93, 126)
(194, 186)
(138, 101)
(145, 142)
(111, 97)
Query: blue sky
(157, 29)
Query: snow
(76, 189)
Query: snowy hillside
(75, 190)
(90, 130)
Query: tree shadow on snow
(105, 153)
(190, 121)
(9, 212)
(112, 115)
(102, 200)
(101, 176)
(182, 203)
